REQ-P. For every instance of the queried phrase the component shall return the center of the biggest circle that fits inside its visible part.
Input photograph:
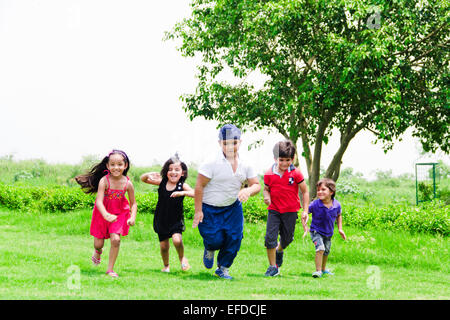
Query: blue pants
(222, 229)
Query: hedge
(429, 217)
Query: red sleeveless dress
(115, 203)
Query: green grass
(37, 250)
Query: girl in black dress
(169, 218)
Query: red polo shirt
(284, 190)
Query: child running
(218, 201)
(325, 210)
(281, 193)
(168, 221)
(111, 215)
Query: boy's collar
(222, 156)
(275, 170)
(333, 203)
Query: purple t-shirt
(323, 218)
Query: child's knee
(270, 242)
(177, 241)
(164, 245)
(99, 243)
(115, 240)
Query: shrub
(429, 217)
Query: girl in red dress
(111, 217)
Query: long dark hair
(172, 160)
(89, 181)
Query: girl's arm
(339, 223)
(133, 204)
(151, 178)
(187, 192)
(99, 202)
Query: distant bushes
(431, 217)
(48, 198)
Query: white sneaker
(317, 274)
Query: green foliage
(426, 191)
(49, 198)
(346, 187)
(326, 66)
(430, 217)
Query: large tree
(346, 65)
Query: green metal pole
(417, 195)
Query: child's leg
(98, 245)
(319, 260)
(324, 262)
(178, 243)
(272, 230)
(164, 246)
(318, 241)
(287, 229)
(327, 245)
(271, 256)
(114, 251)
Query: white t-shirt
(223, 188)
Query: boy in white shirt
(218, 201)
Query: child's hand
(154, 176)
(341, 232)
(198, 217)
(267, 201)
(243, 195)
(110, 217)
(304, 218)
(177, 194)
(131, 222)
(305, 233)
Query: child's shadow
(203, 275)
(92, 273)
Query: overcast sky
(83, 77)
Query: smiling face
(324, 193)
(116, 165)
(175, 172)
(230, 148)
(283, 163)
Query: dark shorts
(321, 242)
(166, 236)
(282, 224)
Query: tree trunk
(315, 168)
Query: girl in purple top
(325, 210)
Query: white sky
(83, 77)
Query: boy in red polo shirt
(281, 193)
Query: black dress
(169, 217)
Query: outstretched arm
(151, 178)
(187, 192)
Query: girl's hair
(89, 182)
(173, 160)
(329, 183)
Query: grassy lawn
(41, 253)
